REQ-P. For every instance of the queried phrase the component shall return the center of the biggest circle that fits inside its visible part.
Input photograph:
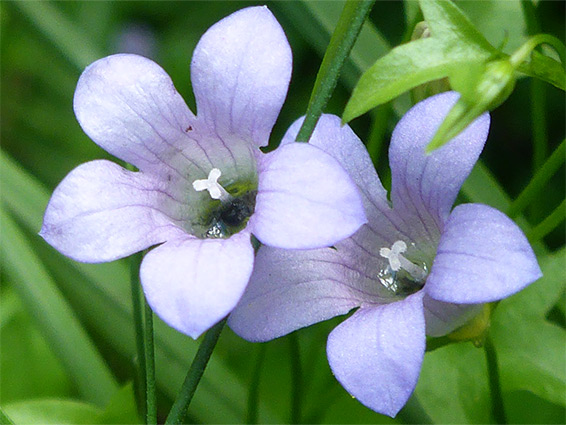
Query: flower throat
(232, 213)
(401, 276)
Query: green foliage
(483, 74)
(67, 335)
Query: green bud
(496, 83)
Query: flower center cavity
(401, 276)
(231, 213)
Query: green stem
(151, 406)
(540, 146)
(179, 409)
(135, 261)
(346, 32)
(523, 52)
(377, 133)
(537, 183)
(497, 407)
(549, 223)
(296, 378)
(253, 395)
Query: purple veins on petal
(202, 186)
(416, 267)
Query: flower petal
(102, 212)
(291, 289)
(424, 187)
(240, 72)
(191, 284)
(442, 318)
(305, 199)
(377, 353)
(128, 105)
(482, 256)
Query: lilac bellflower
(203, 186)
(415, 269)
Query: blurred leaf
(316, 21)
(122, 408)
(453, 386)
(529, 347)
(545, 69)
(29, 367)
(53, 411)
(523, 407)
(509, 28)
(52, 23)
(54, 316)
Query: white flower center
(211, 184)
(397, 261)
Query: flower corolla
(203, 187)
(417, 268)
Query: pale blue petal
(102, 212)
(240, 72)
(305, 199)
(377, 353)
(482, 256)
(424, 187)
(191, 284)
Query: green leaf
(546, 69)
(55, 26)
(451, 27)
(122, 408)
(530, 348)
(53, 315)
(453, 45)
(402, 69)
(53, 411)
(453, 386)
(24, 348)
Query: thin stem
(179, 409)
(537, 183)
(342, 40)
(296, 378)
(135, 261)
(151, 406)
(253, 395)
(497, 407)
(540, 145)
(549, 223)
(377, 133)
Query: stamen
(397, 261)
(211, 184)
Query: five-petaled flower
(415, 269)
(203, 185)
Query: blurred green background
(67, 337)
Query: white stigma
(397, 261)
(211, 184)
